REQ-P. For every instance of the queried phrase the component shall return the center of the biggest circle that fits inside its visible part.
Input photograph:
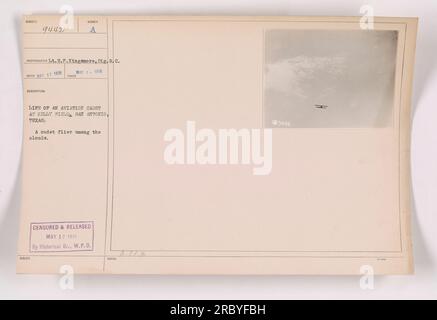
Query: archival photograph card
(216, 145)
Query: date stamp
(64, 236)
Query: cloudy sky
(350, 72)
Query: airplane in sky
(321, 106)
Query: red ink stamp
(64, 236)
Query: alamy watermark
(66, 282)
(367, 279)
(66, 21)
(367, 17)
(220, 147)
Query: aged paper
(216, 145)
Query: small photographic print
(329, 79)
